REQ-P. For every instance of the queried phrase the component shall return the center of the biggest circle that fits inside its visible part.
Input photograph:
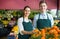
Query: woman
(43, 19)
(25, 25)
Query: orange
(43, 32)
(36, 30)
(42, 37)
(55, 27)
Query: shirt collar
(43, 13)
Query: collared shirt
(43, 16)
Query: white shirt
(43, 16)
(20, 25)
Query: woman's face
(43, 7)
(27, 11)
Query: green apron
(27, 27)
(43, 23)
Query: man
(43, 19)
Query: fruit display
(46, 33)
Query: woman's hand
(28, 32)
(35, 31)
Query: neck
(43, 11)
(26, 17)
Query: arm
(35, 21)
(27, 32)
(21, 29)
(20, 26)
(52, 20)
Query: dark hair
(26, 7)
(42, 2)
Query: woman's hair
(42, 2)
(26, 7)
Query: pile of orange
(37, 33)
(47, 33)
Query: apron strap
(39, 16)
(47, 16)
(23, 19)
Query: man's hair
(42, 2)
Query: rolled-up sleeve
(20, 25)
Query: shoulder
(36, 16)
(30, 20)
(49, 15)
(20, 19)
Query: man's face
(43, 7)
